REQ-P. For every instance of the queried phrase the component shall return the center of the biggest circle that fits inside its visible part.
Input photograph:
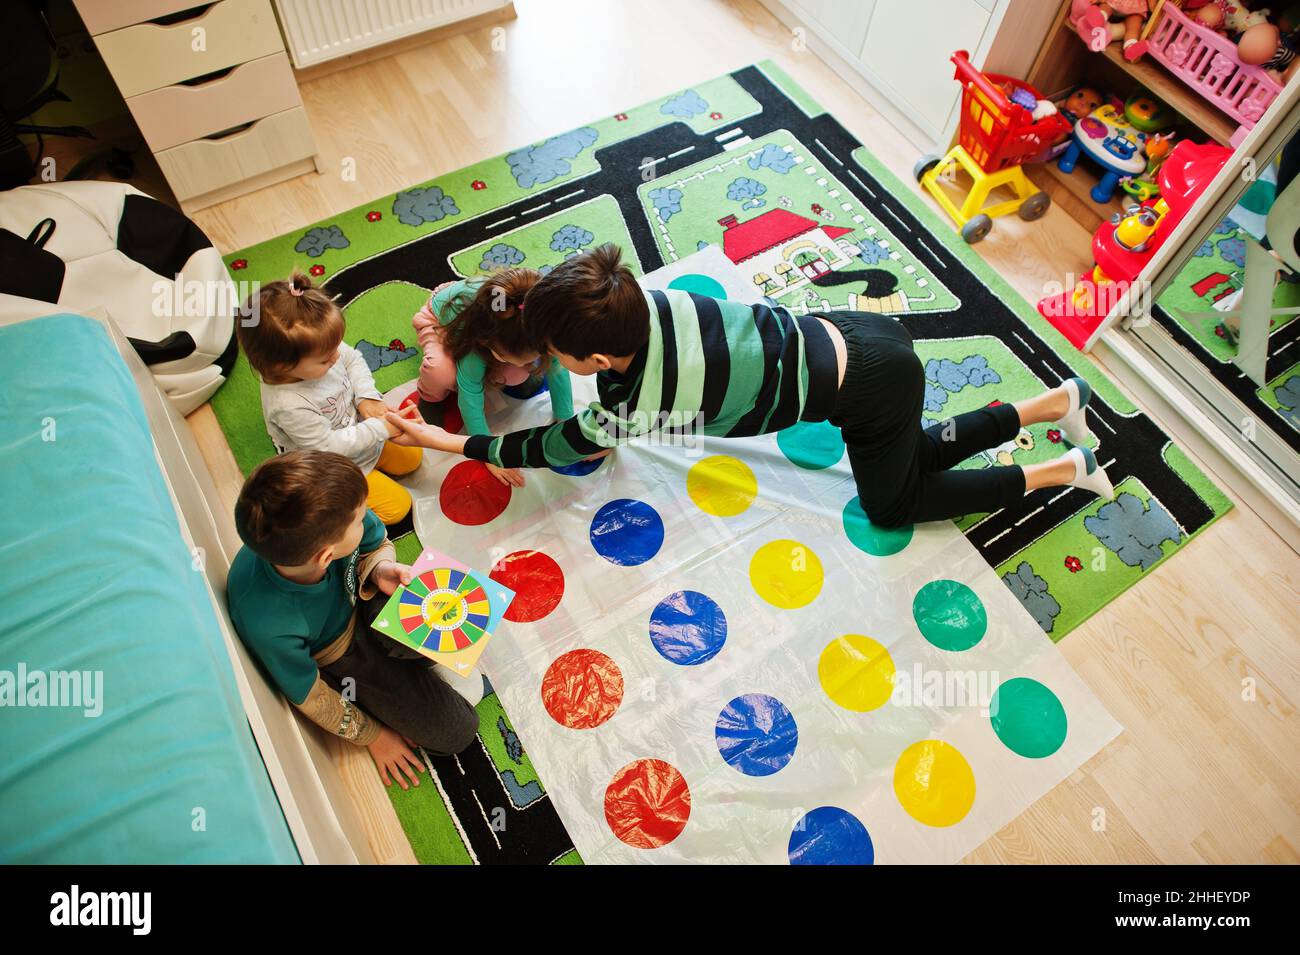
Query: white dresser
(212, 90)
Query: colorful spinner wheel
(444, 610)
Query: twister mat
(715, 657)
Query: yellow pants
(388, 499)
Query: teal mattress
(140, 750)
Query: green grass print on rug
(667, 177)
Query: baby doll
(1266, 46)
(1094, 23)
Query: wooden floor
(1205, 771)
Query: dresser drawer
(147, 56)
(101, 16)
(205, 165)
(177, 114)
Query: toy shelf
(1173, 92)
(1065, 62)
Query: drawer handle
(213, 77)
(231, 132)
(180, 16)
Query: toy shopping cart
(998, 134)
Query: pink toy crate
(1207, 62)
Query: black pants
(901, 469)
(401, 689)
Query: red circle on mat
(582, 689)
(535, 578)
(471, 495)
(647, 804)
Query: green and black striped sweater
(718, 367)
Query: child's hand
(510, 476)
(409, 413)
(388, 575)
(372, 408)
(417, 434)
(394, 755)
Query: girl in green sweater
(472, 335)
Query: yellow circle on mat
(856, 672)
(934, 783)
(786, 574)
(721, 485)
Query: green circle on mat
(949, 615)
(814, 445)
(874, 540)
(699, 284)
(1028, 718)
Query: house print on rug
(782, 250)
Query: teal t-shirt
(472, 369)
(283, 623)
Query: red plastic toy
(1123, 246)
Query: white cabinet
(911, 53)
(845, 20)
(896, 52)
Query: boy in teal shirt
(311, 549)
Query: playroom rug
(749, 164)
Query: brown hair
(492, 317)
(296, 504)
(290, 320)
(591, 303)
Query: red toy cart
(996, 137)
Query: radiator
(320, 30)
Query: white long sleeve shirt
(321, 415)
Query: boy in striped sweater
(685, 362)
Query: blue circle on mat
(627, 532)
(756, 734)
(872, 538)
(830, 835)
(579, 468)
(688, 627)
(814, 445)
(699, 284)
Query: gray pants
(401, 689)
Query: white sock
(1073, 424)
(469, 686)
(1089, 475)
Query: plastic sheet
(736, 666)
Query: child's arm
(325, 707)
(363, 383)
(377, 566)
(557, 382)
(428, 320)
(591, 432)
(308, 428)
(470, 372)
